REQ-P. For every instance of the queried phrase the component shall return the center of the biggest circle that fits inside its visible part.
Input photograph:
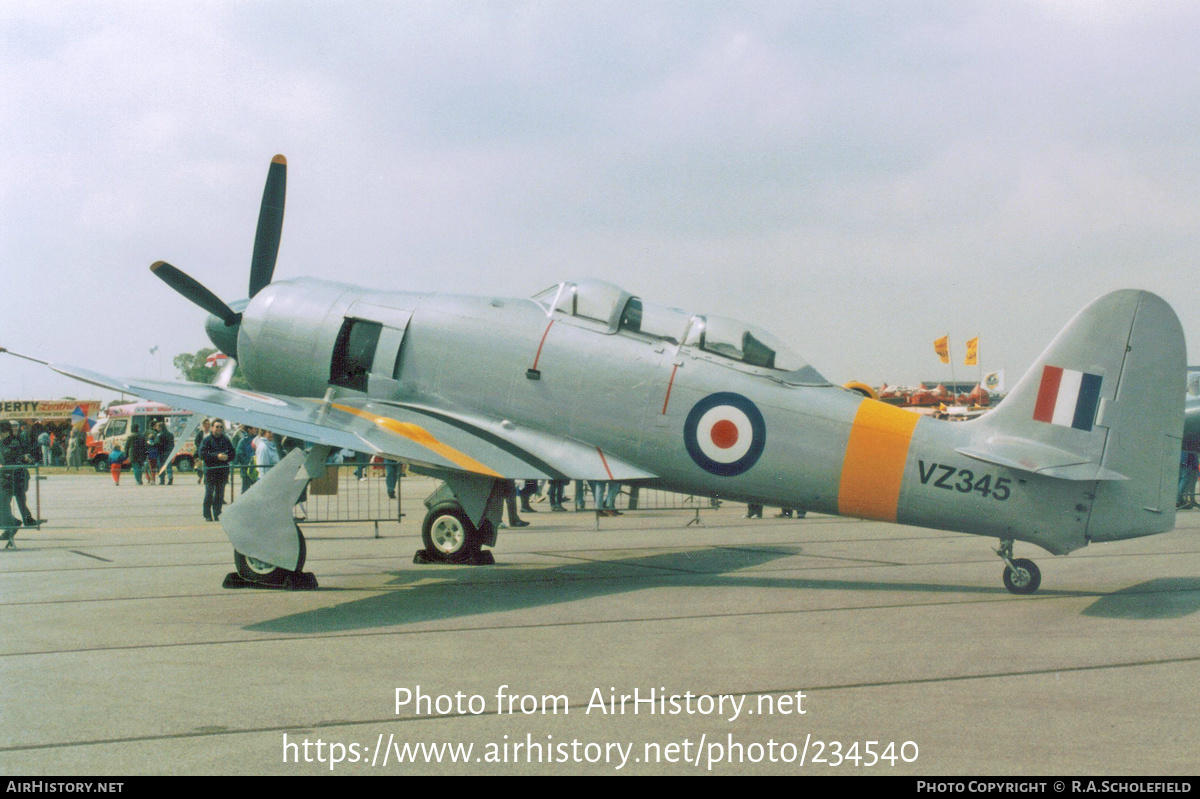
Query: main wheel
(258, 571)
(184, 463)
(1025, 580)
(449, 534)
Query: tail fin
(1104, 402)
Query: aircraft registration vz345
(586, 381)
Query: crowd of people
(52, 443)
(147, 454)
(250, 450)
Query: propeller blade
(270, 226)
(195, 292)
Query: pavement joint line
(994, 595)
(810, 690)
(571, 554)
(525, 572)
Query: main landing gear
(255, 573)
(1021, 576)
(263, 529)
(462, 518)
(450, 536)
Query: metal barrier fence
(16, 482)
(347, 492)
(359, 492)
(599, 496)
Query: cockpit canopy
(617, 311)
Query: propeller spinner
(223, 324)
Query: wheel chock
(294, 581)
(423, 557)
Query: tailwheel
(1021, 576)
(253, 570)
(449, 535)
(1025, 579)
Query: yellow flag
(942, 348)
(972, 352)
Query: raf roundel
(725, 433)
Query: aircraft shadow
(459, 593)
(1161, 598)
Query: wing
(416, 434)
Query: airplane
(588, 381)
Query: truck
(116, 422)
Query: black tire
(449, 535)
(100, 465)
(184, 463)
(1025, 582)
(257, 571)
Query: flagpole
(953, 379)
(978, 360)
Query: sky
(859, 178)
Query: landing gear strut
(1021, 576)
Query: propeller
(262, 265)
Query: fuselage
(701, 421)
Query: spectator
(115, 459)
(391, 476)
(245, 460)
(201, 434)
(216, 452)
(135, 450)
(556, 494)
(164, 443)
(266, 451)
(14, 481)
(76, 446)
(43, 441)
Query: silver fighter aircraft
(588, 381)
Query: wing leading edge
(419, 435)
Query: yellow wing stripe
(420, 435)
(874, 464)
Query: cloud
(851, 175)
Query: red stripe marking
(542, 342)
(670, 383)
(1043, 410)
(605, 462)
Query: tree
(193, 367)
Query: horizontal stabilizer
(1039, 458)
